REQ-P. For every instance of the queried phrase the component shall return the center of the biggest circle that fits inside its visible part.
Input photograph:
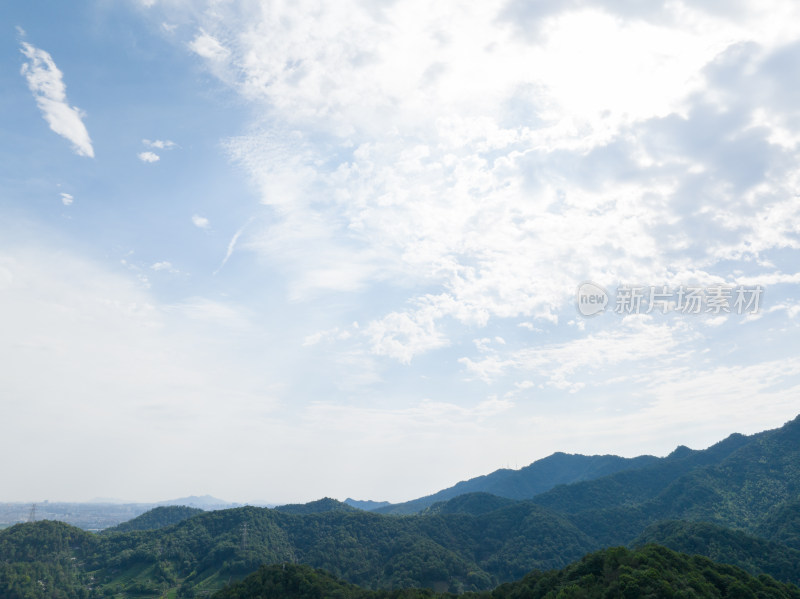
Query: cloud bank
(488, 168)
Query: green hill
(320, 506)
(782, 524)
(44, 560)
(741, 489)
(652, 571)
(156, 518)
(475, 504)
(458, 552)
(726, 546)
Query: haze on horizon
(277, 251)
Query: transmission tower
(244, 536)
(32, 513)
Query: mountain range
(737, 502)
(540, 476)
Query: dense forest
(652, 571)
(736, 503)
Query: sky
(274, 251)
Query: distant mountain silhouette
(320, 506)
(538, 477)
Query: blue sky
(276, 251)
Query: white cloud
(67, 199)
(435, 210)
(450, 163)
(148, 157)
(45, 80)
(403, 335)
(208, 47)
(160, 144)
(570, 364)
(715, 322)
(163, 266)
(201, 222)
(769, 278)
(465, 188)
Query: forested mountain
(472, 542)
(538, 477)
(727, 546)
(652, 571)
(575, 483)
(475, 504)
(459, 551)
(634, 487)
(44, 560)
(782, 524)
(649, 572)
(156, 518)
(736, 483)
(451, 551)
(320, 506)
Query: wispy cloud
(160, 144)
(163, 266)
(209, 47)
(637, 340)
(232, 245)
(45, 80)
(67, 199)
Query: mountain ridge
(727, 494)
(533, 479)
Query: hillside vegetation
(736, 502)
(649, 572)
